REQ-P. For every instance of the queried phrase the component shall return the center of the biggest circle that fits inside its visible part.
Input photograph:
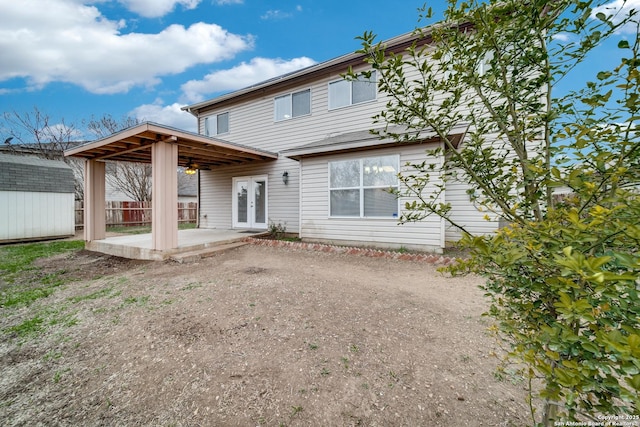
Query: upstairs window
(364, 188)
(292, 105)
(343, 93)
(216, 125)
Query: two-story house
(293, 151)
(332, 178)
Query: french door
(250, 202)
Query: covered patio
(166, 149)
(194, 243)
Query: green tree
(35, 133)
(563, 276)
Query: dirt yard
(255, 336)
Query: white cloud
(71, 42)
(619, 9)
(170, 115)
(562, 37)
(276, 14)
(223, 2)
(157, 8)
(243, 75)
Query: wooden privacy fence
(136, 213)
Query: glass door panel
(260, 203)
(241, 203)
(250, 202)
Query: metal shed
(36, 198)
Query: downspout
(300, 199)
(443, 200)
(198, 204)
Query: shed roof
(33, 174)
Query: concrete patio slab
(138, 246)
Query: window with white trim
(216, 125)
(343, 93)
(364, 188)
(292, 105)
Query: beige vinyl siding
(466, 214)
(216, 188)
(317, 225)
(252, 123)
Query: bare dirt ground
(255, 336)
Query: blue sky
(74, 59)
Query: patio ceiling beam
(120, 153)
(132, 157)
(202, 163)
(202, 154)
(221, 153)
(143, 145)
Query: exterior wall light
(285, 177)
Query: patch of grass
(18, 258)
(52, 355)
(94, 295)
(296, 410)
(28, 327)
(57, 376)
(137, 229)
(345, 362)
(66, 320)
(144, 229)
(24, 297)
(41, 321)
(190, 286)
(18, 296)
(325, 372)
(313, 346)
(138, 301)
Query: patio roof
(134, 145)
